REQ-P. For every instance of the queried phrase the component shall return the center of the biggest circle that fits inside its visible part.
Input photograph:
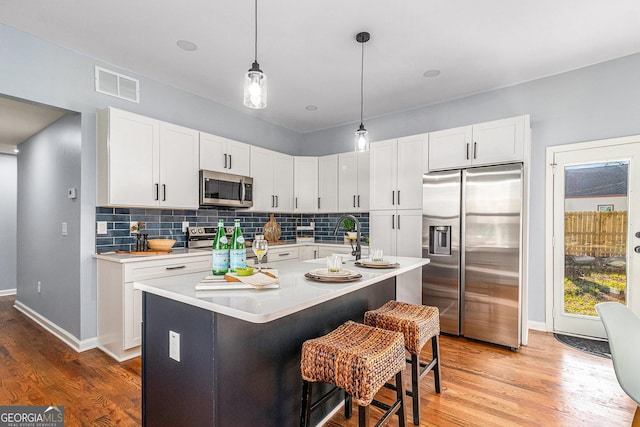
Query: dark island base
(232, 372)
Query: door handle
(398, 198)
(225, 160)
(358, 200)
(296, 203)
(318, 202)
(475, 150)
(393, 198)
(393, 222)
(398, 222)
(179, 267)
(277, 201)
(354, 200)
(157, 191)
(164, 192)
(273, 201)
(467, 155)
(229, 161)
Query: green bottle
(238, 249)
(220, 252)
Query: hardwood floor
(544, 384)
(38, 369)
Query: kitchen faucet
(357, 251)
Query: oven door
(223, 189)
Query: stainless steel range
(202, 238)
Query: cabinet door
(382, 230)
(450, 148)
(238, 156)
(348, 182)
(499, 141)
(283, 182)
(328, 183)
(132, 317)
(409, 233)
(409, 190)
(384, 168)
(307, 252)
(305, 184)
(362, 199)
(133, 171)
(213, 153)
(262, 171)
(178, 167)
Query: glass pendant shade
(362, 139)
(255, 88)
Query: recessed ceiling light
(311, 107)
(186, 45)
(432, 73)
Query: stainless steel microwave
(225, 189)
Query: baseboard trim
(128, 356)
(63, 335)
(7, 292)
(537, 326)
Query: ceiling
(20, 120)
(309, 53)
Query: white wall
(8, 218)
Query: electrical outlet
(185, 226)
(102, 227)
(133, 226)
(174, 346)
(39, 285)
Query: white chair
(623, 330)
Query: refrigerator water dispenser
(440, 239)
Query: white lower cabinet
(120, 305)
(307, 252)
(276, 254)
(397, 232)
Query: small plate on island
(324, 275)
(368, 263)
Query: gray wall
(48, 165)
(8, 218)
(42, 72)
(597, 102)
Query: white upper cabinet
(305, 184)
(353, 191)
(224, 155)
(328, 183)
(498, 141)
(396, 173)
(272, 174)
(178, 167)
(142, 162)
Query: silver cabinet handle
(277, 202)
(229, 161)
(393, 222)
(354, 200)
(398, 197)
(315, 254)
(475, 150)
(398, 222)
(178, 267)
(393, 197)
(296, 203)
(358, 200)
(157, 191)
(318, 202)
(164, 192)
(467, 155)
(225, 160)
(273, 201)
(284, 254)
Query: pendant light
(362, 136)
(255, 81)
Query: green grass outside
(583, 292)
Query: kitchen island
(239, 350)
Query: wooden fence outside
(597, 234)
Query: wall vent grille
(116, 84)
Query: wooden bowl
(161, 244)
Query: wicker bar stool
(358, 359)
(418, 323)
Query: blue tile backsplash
(167, 223)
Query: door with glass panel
(596, 234)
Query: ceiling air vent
(116, 84)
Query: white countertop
(126, 257)
(260, 306)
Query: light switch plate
(65, 229)
(174, 346)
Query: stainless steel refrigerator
(472, 234)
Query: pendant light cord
(256, 34)
(361, 83)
